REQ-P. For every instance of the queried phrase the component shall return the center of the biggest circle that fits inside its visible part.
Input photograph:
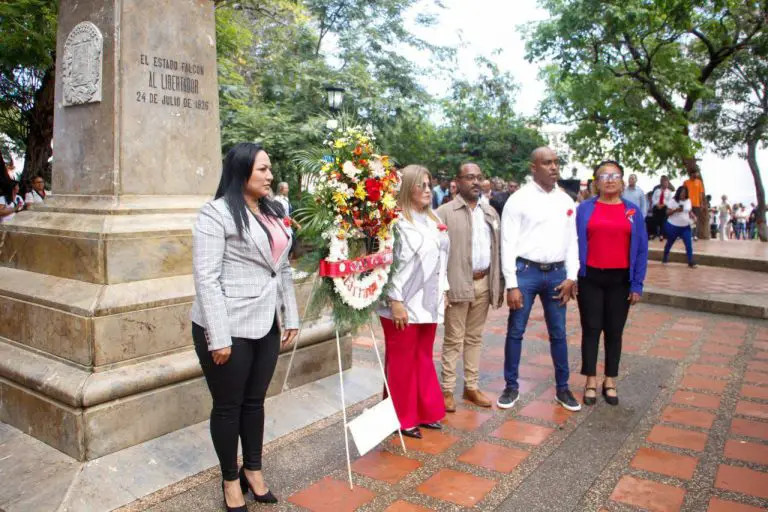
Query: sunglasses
(610, 176)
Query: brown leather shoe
(476, 397)
(450, 402)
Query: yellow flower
(340, 198)
(360, 191)
(338, 144)
(388, 201)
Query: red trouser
(411, 373)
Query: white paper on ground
(374, 425)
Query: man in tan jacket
(474, 276)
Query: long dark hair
(679, 192)
(7, 191)
(236, 171)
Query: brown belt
(476, 276)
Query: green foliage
(27, 43)
(630, 73)
(274, 59)
(483, 127)
(738, 112)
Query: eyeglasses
(612, 176)
(472, 177)
(424, 186)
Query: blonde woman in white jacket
(415, 305)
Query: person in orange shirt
(695, 187)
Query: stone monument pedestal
(95, 285)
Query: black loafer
(414, 432)
(433, 426)
(590, 400)
(612, 400)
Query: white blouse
(420, 278)
(3, 203)
(683, 218)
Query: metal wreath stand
(341, 375)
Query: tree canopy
(275, 58)
(27, 57)
(630, 74)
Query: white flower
(350, 170)
(377, 168)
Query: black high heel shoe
(590, 400)
(612, 400)
(260, 498)
(433, 426)
(242, 508)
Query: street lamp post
(335, 97)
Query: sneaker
(508, 398)
(567, 400)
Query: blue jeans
(741, 231)
(532, 282)
(675, 232)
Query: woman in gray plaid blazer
(244, 296)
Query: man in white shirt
(38, 194)
(474, 278)
(659, 202)
(486, 190)
(539, 257)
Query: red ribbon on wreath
(355, 266)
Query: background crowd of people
(16, 197)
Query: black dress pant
(603, 307)
(659, 219)
(238, 388)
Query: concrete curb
(712, 260)
(706, 303)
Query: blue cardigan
(638, 244)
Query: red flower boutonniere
(287, 221)
(631, 215)
(570, 212)
(442, 227)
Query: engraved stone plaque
(82, 65)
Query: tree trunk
(702, 221)
(40, 135)
(762, 229)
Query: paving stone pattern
(691, 434)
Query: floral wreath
(357, 189)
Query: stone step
(708, 289)
(733, 254)
(724, 304)
(147, 467)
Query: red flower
(287, 221)
(373, 188)
(630, 212)
(442, 227)
(570, 212)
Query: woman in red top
(613, 253)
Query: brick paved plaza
(690, 434)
